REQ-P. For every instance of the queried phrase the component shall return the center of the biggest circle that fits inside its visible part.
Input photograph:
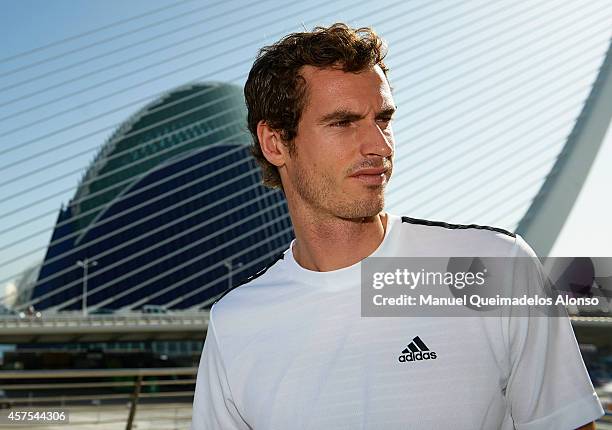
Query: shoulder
(451, 239)
(249, 302)
(451, 226)
(267, 273)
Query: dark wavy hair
(275, 92)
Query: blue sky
(486, 87)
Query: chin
(361, 208)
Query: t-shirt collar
(339, 277)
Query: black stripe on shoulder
(455, 226)
(257, 274)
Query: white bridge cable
(159, 227)
(164, 226)
(163, 75)
(81, 153)
(499, 145)
(235, 164)
(132, 59)
(236, 255)
(438, 141)
(474, 190)
(537, 180)
(459, 115)
(255, 263)
(80, 169)
(521, 172)
(120, 183)
(553, 68)
(108, 39)
(503, 145)
(470, 84)
(87, 181)
(495, 191)
(208, 222)
(28, 174)
(518, 97)
(90, 32)
(510, 90)
(478, 146)
(178, 101)
(47, 151)
(499, 44)
(128, 135)
(515, 178)
(412, 153)
(173, 223)
(79, 139)
(521, 204)
(209, 252)
(138, 190)
(143, 204)
(98, 131)
(137, 102)
(545, 109)
(129, 194)
(128, 46)
(168, 256)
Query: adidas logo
(416, 351)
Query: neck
(329, 243)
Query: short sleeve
(213, 405)
(548, 385)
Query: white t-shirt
(290, 350)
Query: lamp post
(85, 263)
(230, 269)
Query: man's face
(344, 145)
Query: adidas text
(417, 356)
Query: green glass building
(171, 210)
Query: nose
(378, 139)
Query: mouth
(371, 176)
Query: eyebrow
(386, 113)
(343, 114)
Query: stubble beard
(320, 193)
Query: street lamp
(230, 269)
(85, 263)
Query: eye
(385, 122)
(343, 123)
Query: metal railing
(70, 327)
(91, 394)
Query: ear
(271, 143)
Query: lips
(371, 176)
(370, 171)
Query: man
(288, 349)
